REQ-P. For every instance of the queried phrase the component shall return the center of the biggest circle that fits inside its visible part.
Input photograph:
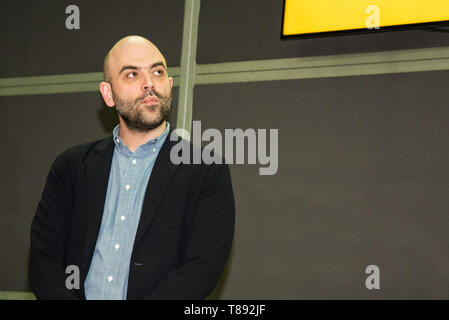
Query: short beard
(129, 111)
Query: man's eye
(159, 72)
(131, 74)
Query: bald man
(117, 218)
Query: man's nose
(147, 83)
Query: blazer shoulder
(79, 153)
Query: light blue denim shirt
(108, 273)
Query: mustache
(151, 92)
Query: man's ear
(170, 79)
(106, 92)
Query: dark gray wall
(363, 179)
(35, 40)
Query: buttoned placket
(129, 185)
(127, 194)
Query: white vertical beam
(188, 64)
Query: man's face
(140, 86)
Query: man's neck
(133, 140)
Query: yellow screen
(303, 17)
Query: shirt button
(127, 187)
(118, 140)
(134, 161)
(122, 218)
(110, 278)
(117, 246)
(154, 150)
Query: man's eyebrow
(159, 63)
(128, 67)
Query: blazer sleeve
(209, 240)
(48, 232)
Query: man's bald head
(122, 49)
(137, 84)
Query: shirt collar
(144, 149)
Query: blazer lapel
(97, 176)
(160, 177)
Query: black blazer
(183, 237)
